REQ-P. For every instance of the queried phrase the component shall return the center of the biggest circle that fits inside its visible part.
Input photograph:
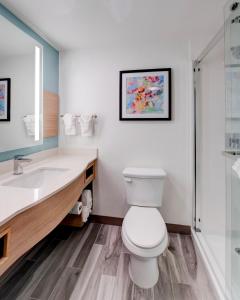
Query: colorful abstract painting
(145, 94)
(5, 99)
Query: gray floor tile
(184, 292)
(102, 235)
(84, 252)
(65, 286)
(91, 263)
(18, 281)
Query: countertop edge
(19, 211)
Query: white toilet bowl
(145, 235)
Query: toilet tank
(144, 186)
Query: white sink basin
(36, 178)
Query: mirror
(20, 88)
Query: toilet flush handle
(127, 179)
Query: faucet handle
(18, 156)
(17, 164)
(22, 158)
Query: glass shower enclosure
(217, 154)
(232, 147)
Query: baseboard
(106, 220)
(177, 228)
(173, 228)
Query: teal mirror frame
(50, 81)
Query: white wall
(20, 68)
(89, 82)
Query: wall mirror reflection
(20, 88)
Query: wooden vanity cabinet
(26, 229)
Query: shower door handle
(231, 154)
(237, 250)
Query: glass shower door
(232, 146)
(210, 161)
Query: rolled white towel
(86, 124)
(29, 122)
(70, 127)
(87, 198)
(85, 213)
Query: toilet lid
(144, 172)
(144, 226)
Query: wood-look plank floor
(92, 264)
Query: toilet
(144, 231)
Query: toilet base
(143, 272)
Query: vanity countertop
(14, 200)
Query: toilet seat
(141, 245)
(144, 227)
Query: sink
(36, 178)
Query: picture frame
(145, 95)
(5, 96)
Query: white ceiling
(71, 24)
(13, 40)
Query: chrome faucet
(18, 161)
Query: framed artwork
(145, 95)
(5, 90)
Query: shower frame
(218, 281)
(196, 97)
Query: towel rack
(94, 116)
(28, 115)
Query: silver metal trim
(237, 250)
(231, 154)
(94, 116)
(217, 38)
(197, 229)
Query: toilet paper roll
(77, 209)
